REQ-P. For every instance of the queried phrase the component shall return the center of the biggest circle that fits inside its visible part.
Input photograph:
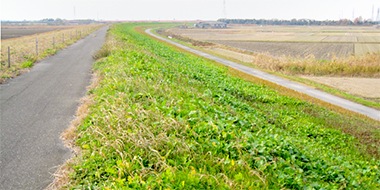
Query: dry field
(231, 54)
(340, 39)
(357, 86)
(293, 41)
(8, 32)
(361, 49)
(289, 49)
(369, 39)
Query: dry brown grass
(367, 65)
(23, 49)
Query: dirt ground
(365, 87)
(231, 54)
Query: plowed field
(293, 41)
(294, 50)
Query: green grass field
(166, 119)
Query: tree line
(50, 22)
(341, 22)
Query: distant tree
(358, 20)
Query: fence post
(54, 42)
(37, 46)
(9, 56)
(71, 35)
(63, 38)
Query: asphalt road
(370, 112)
(36, 107)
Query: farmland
(303, 50)
(293, 41)
(162, 118)
(8, 32)
(361, 49)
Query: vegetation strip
(370, 112)
(165, 119)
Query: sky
(186, 9)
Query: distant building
(210, 24)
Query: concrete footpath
(370, 112)
(36, 107)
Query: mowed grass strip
(166, 119)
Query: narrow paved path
(36, 107)
(370, 112)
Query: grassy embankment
(23, 49)
(165, 119)
(367, 65)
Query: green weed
(27, 64)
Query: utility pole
(373, 13)
(224, 9)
